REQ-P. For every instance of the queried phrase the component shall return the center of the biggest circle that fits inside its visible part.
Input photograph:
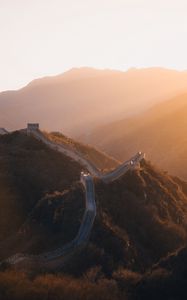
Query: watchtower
(32, 127)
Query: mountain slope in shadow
(141, 220)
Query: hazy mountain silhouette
(80, 99)
(160, 132)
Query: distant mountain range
(81, 99)
(161, 132)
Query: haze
(43, 37)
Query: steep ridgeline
(100, 159)
(90, 211)
(165, 280)
(141, 217)
(93, 170)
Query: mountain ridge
(92, 98)
(160, 132)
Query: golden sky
(46, 37)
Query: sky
(47, 37)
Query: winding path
(90, 206)
(80, 239)
(77, 156)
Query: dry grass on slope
(18, 286)
(146, 209)
(100, 159)
(28, 171)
